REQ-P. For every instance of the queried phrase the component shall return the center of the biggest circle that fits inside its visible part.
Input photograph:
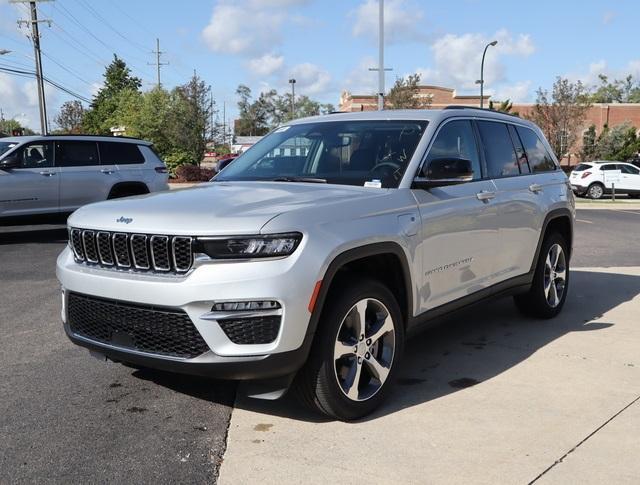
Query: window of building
(499, 152)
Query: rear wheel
(595, 191)
(127, 191)
(548, 291)
(355, 353)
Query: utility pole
(224, 123)
(158, 64)
(35, 38)
(381, 69)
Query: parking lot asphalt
(66, 417)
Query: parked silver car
(313, 256)
(50, 174)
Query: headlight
(270, 246)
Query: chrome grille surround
(149, 253)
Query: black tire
(537, 302)
(595, 191)
(317, 384)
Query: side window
(539, 158)
(523, 162)
(36, 155)
(609, 167)
(118, 153)
(498, 149)
(628, 169)
(76, 153)
(456, 140)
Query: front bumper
(255, 367)
(578, 189)
(195, 294)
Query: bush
(176, 159)
(193, 173)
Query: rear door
(518, 198)
(459, 223)
(33, 187)
(125, 157)
(82, 179)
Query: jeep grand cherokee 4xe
(309, 259)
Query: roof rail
(89, 134)
(461, 106)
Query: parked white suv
(315, 253)
(51, 174)
(594, 179)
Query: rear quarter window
(582, 167)
(540, 160)
(115, 153)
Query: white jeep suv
(311, 257)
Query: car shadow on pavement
(482, 343)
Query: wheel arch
(385, 262)
(128, 188)
(560, 220)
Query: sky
(328, 46)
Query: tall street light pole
(381, 57)
(481, 80)
(293, 97)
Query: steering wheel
(390, 168)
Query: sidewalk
(541, 388)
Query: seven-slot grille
(140, 252)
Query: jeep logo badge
(125, 220)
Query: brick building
(600, 114)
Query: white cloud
(276, 3)
(266, 65)
(311, 79)
(401, 20)
(519, 92)
(590, 76)
(237, 29)
(20, 100)
(360, 80)
(608, 17)
(457, 58)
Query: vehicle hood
(217, 208)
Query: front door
(33, 187)
(459, 224)
(629, 179)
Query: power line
(67, 69)
(25, 73)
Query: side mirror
(445, 171)
(10, 161)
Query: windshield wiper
(311, 180)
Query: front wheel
(548, 291)
(355, 353)
(595, 191)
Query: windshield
(375, 153)
(5, 146)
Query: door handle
(106, 171)
(535, 188)
(485, 195)
(47, 174)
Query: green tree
(253, 119)
(505, 106)
(618, 143)
(69, 118)
(405, 94)
(7, 126)
(561, 114)
(117, 78)
(588, 152)
(617, 91)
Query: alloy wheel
(555, 275)
(595, 191)
(364, 349)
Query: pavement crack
(561, 459)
